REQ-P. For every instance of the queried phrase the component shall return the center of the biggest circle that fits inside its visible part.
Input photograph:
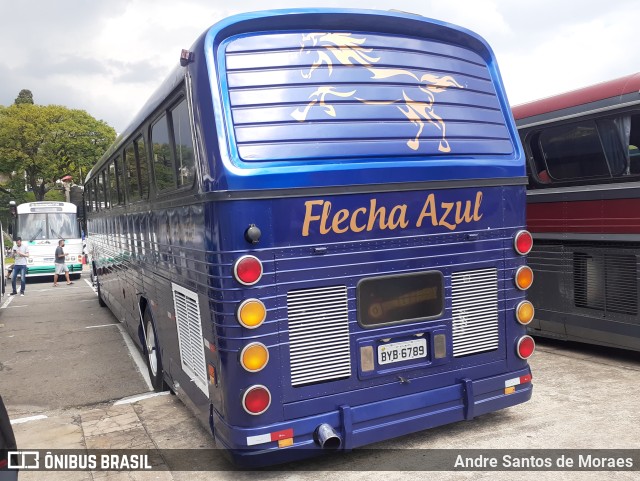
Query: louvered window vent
(606, 282)
(474, 302)
(190, 337)
(318, 335)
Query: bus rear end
(367, 220)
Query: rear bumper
(369, 423)
(49, 270)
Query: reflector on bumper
(269, 437)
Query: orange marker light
(251, 313)
(525, 312)
(254, 357)
(524, 278)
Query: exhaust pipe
(326, 437)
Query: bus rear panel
(345, 268)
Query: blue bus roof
(309, 97)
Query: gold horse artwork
(345, 49)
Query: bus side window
(185, 161)
(162, 159)
(113, 186)
(88, 202)
(115, 182)
(611, 131)
(143, 168)
(634, 145)
(574, 152)
(95, 197)
(634, 159)
(539, 164)
(102, 186)
(131, 170)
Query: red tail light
(256, 400)
(523, 242)
(247, 270)
(526, 346)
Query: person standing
(21, 254)
(61, 266)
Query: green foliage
(48, 142)
(163, 166)
(28, 197)
(24, 97)
(6, 239)
(55, 195)
(12, 189)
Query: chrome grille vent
(190, 338)
(474, 302)
(318, 334)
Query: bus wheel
(154, 361)
(100, 299)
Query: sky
(108, 56)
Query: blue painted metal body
(362, 144)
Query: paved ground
(60, 349)
(55, 365)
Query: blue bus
(314, 230)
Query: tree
(24, 97)
(48, 142)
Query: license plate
(402, 351)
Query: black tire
(96, 283)
(154, 360)
(100, 299)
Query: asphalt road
(58, 348)
(70, 381)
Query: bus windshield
(47, 226)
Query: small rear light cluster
(526, 346)
(251, 314)
(254, 357)
(256, 399)
(525, 312)
(524, 278)
(523, 243)
(247, 270)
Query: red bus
(583, 209)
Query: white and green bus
(41, 225)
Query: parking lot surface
(70, 379)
